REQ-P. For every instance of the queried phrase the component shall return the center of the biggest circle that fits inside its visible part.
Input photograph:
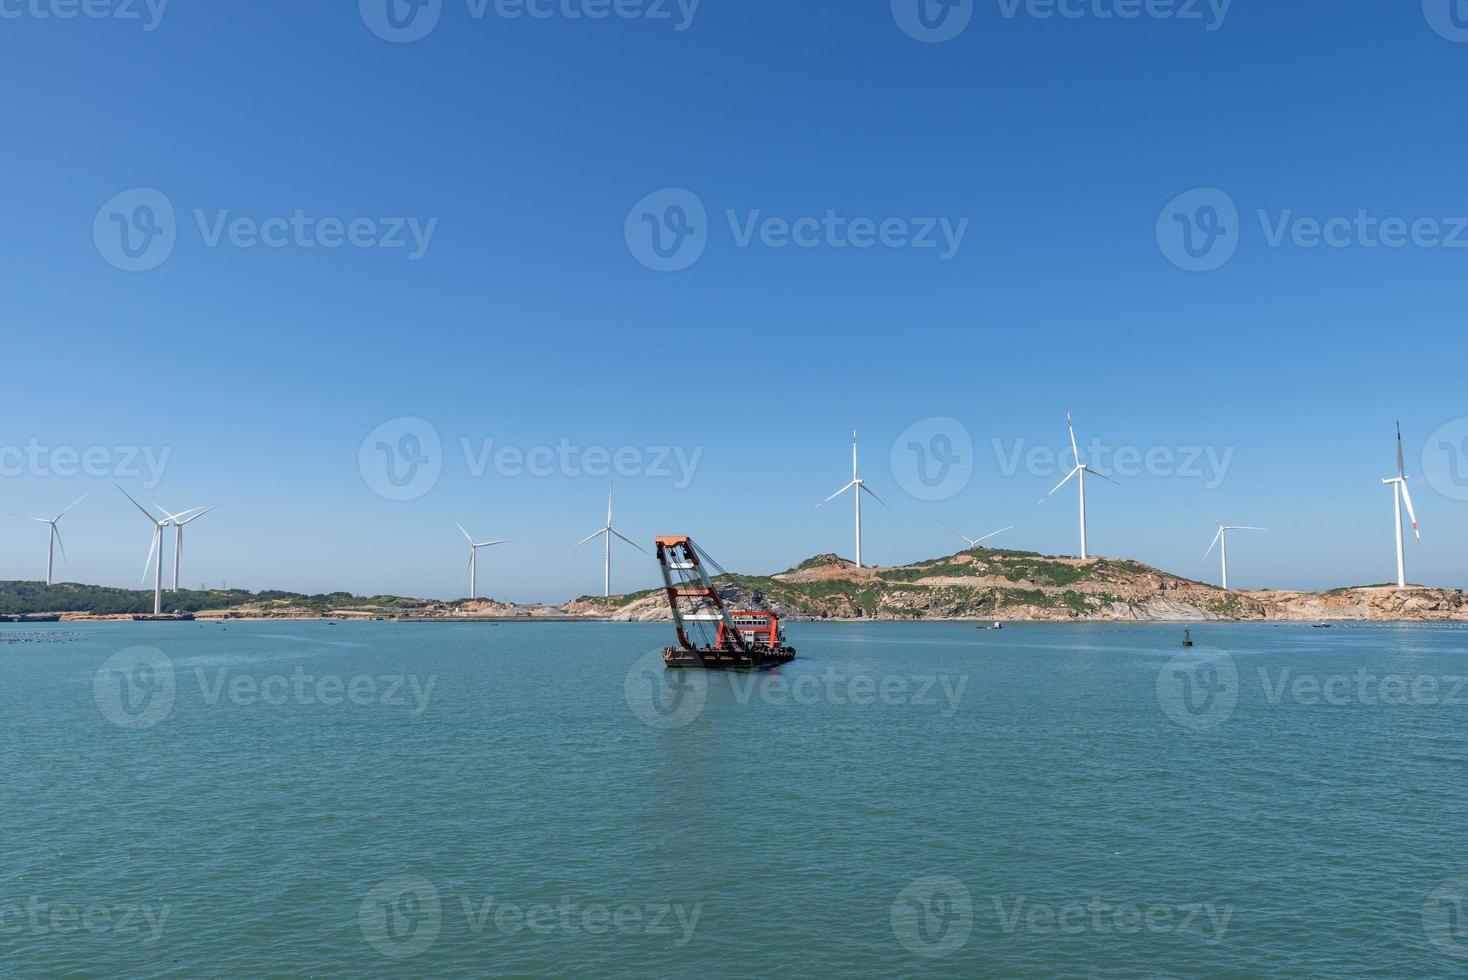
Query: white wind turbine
(1221, 539)
(473, 570)
(608, 532)
(975, 542)
(1399, 495)
(155, 545)
(858, 485)
(54, 538)
(179, 522)
(1081, 469)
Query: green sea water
(385, 799)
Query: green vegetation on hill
(26, 598)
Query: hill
(984, 583)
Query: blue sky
(526, 145)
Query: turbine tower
(54, 538)
(858, 485)
(155, 545)
(608, 532)
(1081, 469)
(1400, 494)
(1221, 539)
(975, 542)
(179, 523)
(473, 570)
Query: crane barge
(744, 640)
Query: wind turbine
(1221, 538)
(609, 533)
(1400, 494)
(1080, 470)
(179, 523)
(859, 486)
(975, 542)
(155, 545)
(473, 569)
(54, 538)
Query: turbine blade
(491, 544)
(1102, 476)
(609, 505)
(838, 493)
(73, 504)
(994, 534)
(465, 533)
(1214, 543)
(1407, 498)
(151, 519)
(590, 537)
(1072, 427)
(853, 455)
(1401, 466)
(1245, 528)
(152, 545)
(200, 514)
(465, 577)
(632, 543)
(875, 497)
(1061, 483)
(57, 532)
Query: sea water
(404, 799)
